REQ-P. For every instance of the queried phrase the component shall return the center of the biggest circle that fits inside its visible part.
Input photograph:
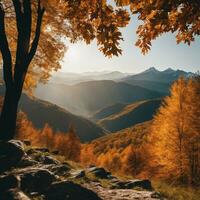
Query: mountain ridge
(88, 97)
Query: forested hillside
(129, 115)
(57, 118)
(166, 147)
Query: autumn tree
(68, 144)
(32, 36)
(175, 133)
(73, 150)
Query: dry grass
(177, 192)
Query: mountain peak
(168, 70)
(151, 69)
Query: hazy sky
(164, 53)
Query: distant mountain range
(75, 78)
(122, 116)
(156, 80)
(41, 112)
(88, 97)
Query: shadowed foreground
(35, 173)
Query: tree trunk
(14, 79)
(8, 116)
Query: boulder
(99, 172)
(8, 182)
(47, 160)
(11, 153)
(144, 184)
(78, 174)
(36, 180)
(67, 190)
(31, 152)
(14, 194)
(26, 162)
(60, 170)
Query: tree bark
(8, 117)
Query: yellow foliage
(176, 133)
(68, 144)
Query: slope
(89, 97)
(130, 115)
(42, 112)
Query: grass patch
(177, 192)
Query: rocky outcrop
(11, 154)
(70, 190)
(99, 172)
(144, 184)
(34, 173)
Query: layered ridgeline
(156, 80)
(75, 78)
(84, 94)
(88, 97)
(121, 116)
(40, 112)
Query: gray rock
(144, 184)
(11, 153)
(47, 160)
(8, 182)
(60, 169)
(99, 172)
(78, 174)
(31, 152)
(14, 194)
(36, 180)
(26, 162)
(66, 190)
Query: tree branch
(27, 19)
(5, 51)
(18, 11)
(35, 42)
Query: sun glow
(72, 53)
